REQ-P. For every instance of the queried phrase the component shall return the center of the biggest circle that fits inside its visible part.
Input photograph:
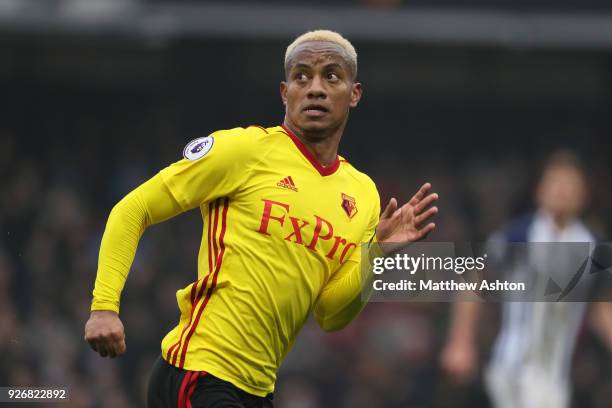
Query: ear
(283, 92)
(356, 93)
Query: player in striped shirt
(531, 361)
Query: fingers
(117, 349)
(421, 218)
(122, 347)
(107, 348)
(426, 202)
(390, 209)
(103, 351)
(99, 348)
(111, 351)
(420, 194)
(423, 232)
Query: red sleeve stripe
(214, 281)
(172, 353)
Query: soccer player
(531, 360)
(284, 221)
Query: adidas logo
(287, 182)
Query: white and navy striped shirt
(540, 334)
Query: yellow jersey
(281, 238)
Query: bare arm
(459, 357)
(601, 321)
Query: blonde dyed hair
(324, 36)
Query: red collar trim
(323, 170)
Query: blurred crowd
(63, 170)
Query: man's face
(320, 89)
(562, 191)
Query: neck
(561, 221)
(323, 145)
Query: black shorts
(171, 387)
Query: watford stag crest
(349, 205)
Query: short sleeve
(213, 166)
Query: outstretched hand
(408, 223)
